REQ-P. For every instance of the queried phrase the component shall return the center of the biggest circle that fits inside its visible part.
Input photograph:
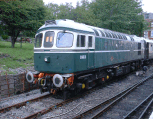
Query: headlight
(47, 59)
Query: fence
(14, 84)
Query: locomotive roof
(148, 40)
(74, 25)
(66, 24)
(139, 39)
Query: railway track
(36, 103)
(42, 111)
(116, 103)
(140, 111)
(18, 105)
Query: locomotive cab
(51, 49)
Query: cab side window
(38, 40)
(89, 41)
(49, 39)
(81, 41)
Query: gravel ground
(78, 106)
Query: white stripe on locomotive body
(103, 51)
(138, 50)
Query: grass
(15, 57)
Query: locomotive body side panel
(100, 58)
(58, 62)
(109, 51)
(80, 61)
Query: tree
(65, 11)
(59, 11)
(83, 13)
(22, 15)
(119, 15)
(52, 11)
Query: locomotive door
(91, 52)
(146, 50)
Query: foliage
(29, 33)
(52, 11)
(82, 13)
(5, 37)
(17, 16)
(119, 15)
(65, 11)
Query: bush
(5, 37)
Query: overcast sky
(147, 4)
(62, 1)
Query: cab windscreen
(64, 39)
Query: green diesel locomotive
(72, 56)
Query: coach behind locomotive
(71, 56)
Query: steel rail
(145, 110)
(22, 103)
(44, 111)
(121, 94)
(137, 107)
